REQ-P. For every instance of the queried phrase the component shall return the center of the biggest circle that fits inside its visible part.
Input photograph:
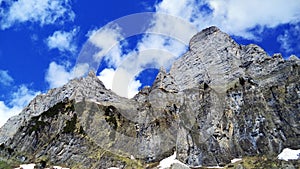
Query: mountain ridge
(220, 101)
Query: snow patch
(58, 167)
(31, 166)
(113, 168)
(167, 162)
(214, 167)
(289, 154)
(26, 166)
(132, 157)
(235, 160)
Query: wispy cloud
(107, 41)
(18, 100)
(5, 78)
(63, 41)
(36, 11)
(289, 40)
(57, 75)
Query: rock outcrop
(220, 101)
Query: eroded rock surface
(220, 101)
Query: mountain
(219, 101)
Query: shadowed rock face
(219, 101)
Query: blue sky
(45, 43)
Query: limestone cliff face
(220, 101)
(250, 104)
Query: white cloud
(154, 50)
(5, 78)
(160, 50)
(106, 76)
(234, 16)
(63, 41)
(36, 11)
(107, 40)
(133, 88)
(58, 75)
(245, 15)
(168, 36)
(123, 84)
(18, 101)
(289, 40)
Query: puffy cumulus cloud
(57, 75)
(158, 50)
(158, 47)
(172, 27)
(19, 99)
(63, 41)
(238, 17)
(106, 76)
(133, 88)
(234, 16)
(122, 83)
(289, 40)
(36, 11)
(122, 80)
(107, 40)
(5, 78)
(188, 10)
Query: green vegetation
(37, 126)
(263, 162)
(5, 165)
(71, 125)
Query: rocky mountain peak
(204, 34)
(89, 87)
(220, 101)
(213, 58)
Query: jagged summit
(216, 59)
(89, 87)
(204, 34)
(220, 101)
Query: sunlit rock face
(220, 101)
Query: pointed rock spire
(164, 81)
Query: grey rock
(90, 88)
(178, 166)
(219, 101)
(213, 58)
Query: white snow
(31, 166)
(113, 168)
(235, 160)
(26, 166)
(214, 167)
(289, 154)
(167, 162)
(132, 157)
(58, 167)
